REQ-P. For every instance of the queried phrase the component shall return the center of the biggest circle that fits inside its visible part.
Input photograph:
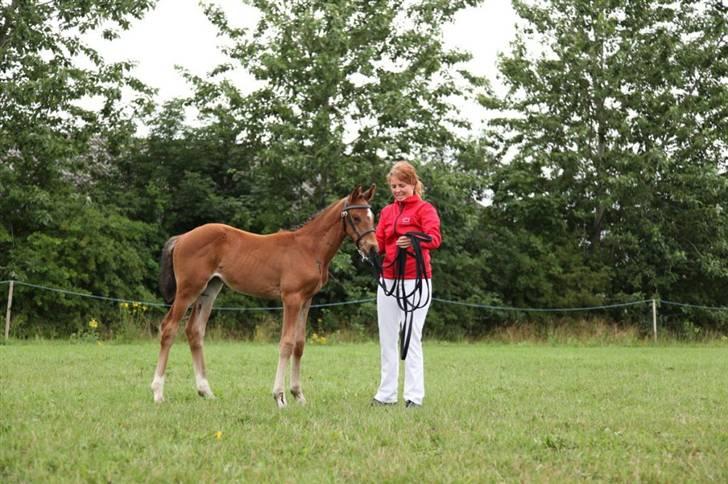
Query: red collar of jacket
(409, 200)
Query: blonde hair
(407, 173)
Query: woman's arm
(430, 224)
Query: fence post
(7, 312)
(654, 319)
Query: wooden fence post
(654, 319)
(7, 312)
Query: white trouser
(389, 319)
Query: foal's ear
(370, 192)
(355, 194)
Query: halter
(346, 216)
(408, 302)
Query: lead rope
(408, 302)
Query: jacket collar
(409, 200)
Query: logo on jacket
(406, 220)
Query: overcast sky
(177, 32)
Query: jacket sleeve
(430, 222)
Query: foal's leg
(195, 330)
(291, 311)
(168, 331)
(298, 353)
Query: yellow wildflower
(93, 324)
(218, 435)
(318, 339)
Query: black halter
(347, 219)
(408, 302)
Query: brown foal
(290, 265)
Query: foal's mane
(315, 215)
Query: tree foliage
(602, 179)
(619, 147)
(52, 146)
(343, 86)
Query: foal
(290, 265)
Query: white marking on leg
(158, 388)
(296, 381)
(203, 386)
(279, 382)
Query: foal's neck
(326, 232)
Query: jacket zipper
(401, 211)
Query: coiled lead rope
(415, 299)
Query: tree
(620, 142)
(44, 130)
(344, 86)
(51, 144)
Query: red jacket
(411, 215)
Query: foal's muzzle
(373, 259)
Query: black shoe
(411, 404)
(377, 403)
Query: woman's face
(400, 188)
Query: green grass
(493, 412)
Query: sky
(177, 32)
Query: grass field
(493, 412)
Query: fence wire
(372, 299)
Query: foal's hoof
(280, 400)
(207, 395)
(204, 390)
(158, 393)
(298, 396)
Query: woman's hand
(403, 242)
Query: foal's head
(359, 221)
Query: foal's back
(247, 262)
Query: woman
(407, 213)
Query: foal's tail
(167, 281)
